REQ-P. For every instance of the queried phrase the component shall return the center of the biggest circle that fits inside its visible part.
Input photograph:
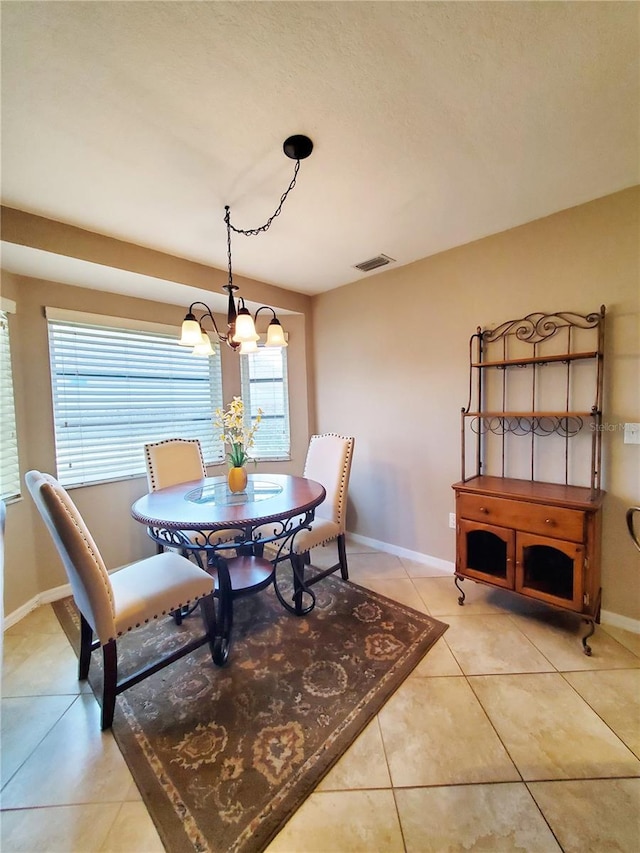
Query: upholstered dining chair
(173, 461)
(328, 462)
(111, 605)
(179, 460)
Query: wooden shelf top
(537, 359)
(530, 414)
(577, 497)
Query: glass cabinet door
(550, 569)
(486, 552)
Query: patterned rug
(224, 756)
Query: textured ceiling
(434, 124)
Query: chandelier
(241, 324)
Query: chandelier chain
(227, 219)
(241, 333)
(251, 232)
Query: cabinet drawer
(553, 521)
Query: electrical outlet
(452, 520)
(632, 433)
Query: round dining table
(204, 518)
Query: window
(264, 386)
(9, 470)
(116, 389)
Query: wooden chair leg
(110, 660)
(86, 639)
(342, 557)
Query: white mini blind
(264, 386)
(9, 469)
(116, 389)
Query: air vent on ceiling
(374, 263)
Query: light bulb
(191, 332)
(275, 335)
(204, 347)
(245, 327)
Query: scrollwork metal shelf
(565, 424)
(553, 342)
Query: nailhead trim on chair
(88, 544)
(178, 606)
(343, 476)
(90, 549)
(343, 479)
(171, 441)
(318, 544)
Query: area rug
(224, 756)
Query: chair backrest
(83, 564)
(329, 462)
(174, 461)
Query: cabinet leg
(462, 596)
(585, 645)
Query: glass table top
(219, 494)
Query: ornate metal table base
(250, 575)
(235, 577)
(300, 589)
(205, 530)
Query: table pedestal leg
(299, 586)
(300, 589)
(224, 619)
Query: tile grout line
(394, 788)
(598, 715)
(44, 736)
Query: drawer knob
(484, 510)
(549, 521)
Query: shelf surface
(537, 359)
(557, 494)
(530, 414)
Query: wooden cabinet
(540, 539)
(552, 570)
(486, 553)
(543, 542)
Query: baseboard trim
(416, 556)
(22, 611)
(46, 597)
(55, 594)
(607, 617)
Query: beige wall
(31, 565)
(26, 229)
(390, 362)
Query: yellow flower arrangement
(234, 432)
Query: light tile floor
(505, 737)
